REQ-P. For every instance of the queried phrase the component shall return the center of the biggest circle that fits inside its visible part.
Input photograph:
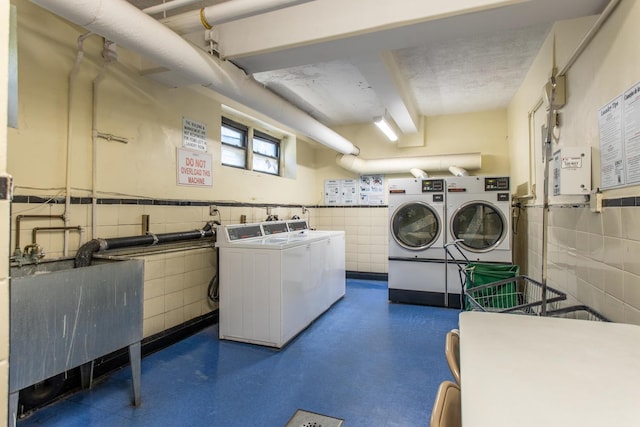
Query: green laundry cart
(500, 287)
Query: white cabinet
(270, 292)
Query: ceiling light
(386, 126)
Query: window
(234, 144)
(266, 153)
(247, 148)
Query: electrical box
(572, 171)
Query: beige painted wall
(591, 256)
(484, 132)
(4, 218)
(148, 114)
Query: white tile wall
(366, 232)
(591, 256)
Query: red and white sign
(194, 168)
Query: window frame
(244, 130)
(249, 134)
(269, 139)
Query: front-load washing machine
(417, 230)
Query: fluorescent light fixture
(386, 127)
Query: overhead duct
(121, 22)
(441, 163)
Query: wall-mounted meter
(572, 171)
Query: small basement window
(234, 144)
(266, 153)
(248, 148)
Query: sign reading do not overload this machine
(194, 168)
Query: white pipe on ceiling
(224, 12)
(440, 163)
(170, 5)
(124, 24)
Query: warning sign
(194, 134)
(194, 168)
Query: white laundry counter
(523, 371)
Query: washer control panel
(433, 185)
(496, 184)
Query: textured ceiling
(458, 63)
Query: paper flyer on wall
(372, 190)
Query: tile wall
(593, 257)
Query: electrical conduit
(220, 13)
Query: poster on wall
(194, 135)
(619, 126)
(611, 144)
(372, 190)
(631, 121)
(349, 192)
(340, 192)
(332, 194)
(194, 168)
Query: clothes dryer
(417, 230)
(478, 211)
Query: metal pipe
(548, 139)
(19, 218)
(86, 251)
(71, 90)
(94, 140)
(220, 13)
(608, 10)
(34, 231)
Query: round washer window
(480, 225)
(415, 226)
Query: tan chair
(452, 351)
(446, 408)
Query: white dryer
(417, 230)
(478, 210)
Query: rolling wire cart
(500, 287)
(581, 312)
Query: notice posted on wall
(619, 126)
(194, 135)
(340, 192)
(372, 190)
(194, 168)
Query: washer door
(415, 226)
(480, 225)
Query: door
(481, 226)
(415, 225)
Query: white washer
(275, 282)
(417, 230)
(478, 211)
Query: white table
(538, 371)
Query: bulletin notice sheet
(619, 126)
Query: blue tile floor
(366, 361)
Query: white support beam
(384, 76)
(324, 20)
